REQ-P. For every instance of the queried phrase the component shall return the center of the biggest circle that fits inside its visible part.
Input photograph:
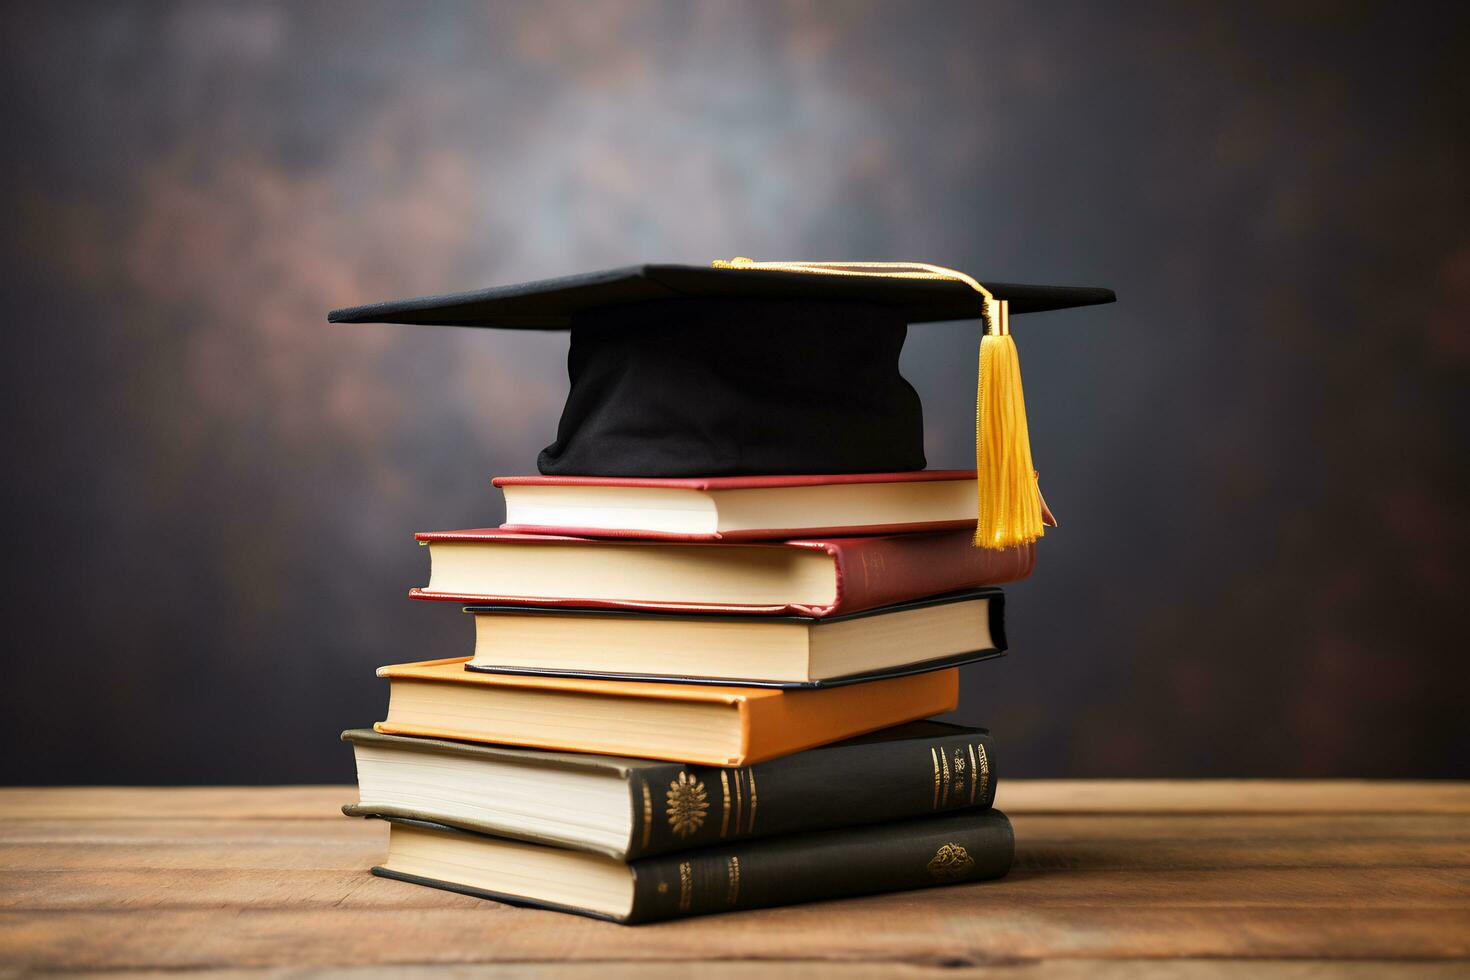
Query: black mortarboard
(740, 368)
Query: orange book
(694, 723)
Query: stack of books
(697, 695)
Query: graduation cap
(762, 368)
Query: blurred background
(1258, 455)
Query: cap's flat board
(551, 304)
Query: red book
(740, 508)
(820, 577)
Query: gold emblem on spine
(934, 757)
(750, 774)
(732, 877)
(687, 803)
(647, 813)
(686, 886)
(974, 773)
(725, 801)
(951, 863)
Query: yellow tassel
(1010, 502)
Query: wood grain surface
(1112, 879)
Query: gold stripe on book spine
(686, 886)
(739, 802)
(984, 769)
(944, 761)
(750, 774)
(934, 758)
(725, 799)
(647, 813)
(974, 773)
(732, 877)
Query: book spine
(873, 572)
(678, 808)
(969, 846)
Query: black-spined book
(747, 651)
(629, 808)
(969, 845)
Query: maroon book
(806, 577)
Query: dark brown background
(1257, 455)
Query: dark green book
(631, 808)
(970, 845)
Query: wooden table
(1112, 879)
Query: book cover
(770, 723)
(867, 572)
(787, 506)
(967, 846)
(995, 609)
(918, 769)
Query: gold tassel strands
(1010, 508)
